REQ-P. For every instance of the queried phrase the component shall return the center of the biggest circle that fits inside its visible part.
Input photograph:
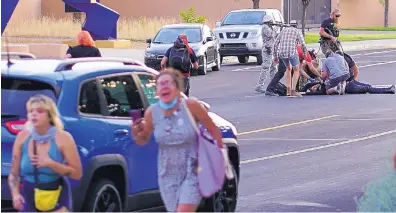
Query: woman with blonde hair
(42, 155)
(85, 48)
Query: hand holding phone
(136, 115)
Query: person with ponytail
(180, 57)
(44, 156)
(85, 48)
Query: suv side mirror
(210, 38)
(218, 23)
(148, 41)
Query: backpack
(179, 58)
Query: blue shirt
(335, 65)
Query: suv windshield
(244, 18)
(169, 35)
(15, 92)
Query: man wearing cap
(268, 69)
(329, 32)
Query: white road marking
(287, 125)
(246, 68)
(371, 65)
(292, 139)
(368, 119)
(372, 53)
(319, 147)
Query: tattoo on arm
(14, 180)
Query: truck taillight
(15, 126)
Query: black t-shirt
(193, 59)
(81, 51)
(330, 26)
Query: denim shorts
(294, 61)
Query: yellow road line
(288, 125)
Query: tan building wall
(168, 8)
(352, 10)
(373, 15)
(26, 9)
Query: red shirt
(300, 55)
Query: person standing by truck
(268, 69)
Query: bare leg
(355, 72)
(288, 80)
(296, 75)
(187, 208)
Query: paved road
(310, 153)
(279, 172)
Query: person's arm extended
(323, 33)
(201, 115)
(14, 176)
(142, 131)
(69, 150)
(194, 60)
(303, 73)
(276, 45)
(312, 68)
(325, 71)
(163, 62)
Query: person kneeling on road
(180, 57)
(309, 68)
(335, 72)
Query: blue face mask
(167, 106)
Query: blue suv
(94, 96)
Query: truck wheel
(259, 59)
(103, 196)
(243, 59)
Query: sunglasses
(165, 83)
(338, 16)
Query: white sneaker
(343, 86)
(338, 88)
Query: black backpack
(179, 58)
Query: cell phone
(135, 114)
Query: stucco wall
(213, 9)
(26, 9)
(363, 13)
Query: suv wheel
(259, 59)
(243, 59)
(226, 199)
(204, 69)
(103, 196)
(218, 62)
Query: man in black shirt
(180, 56)
(329, 32)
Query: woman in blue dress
(168, 120)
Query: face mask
(168, 106)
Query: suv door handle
(121, 132)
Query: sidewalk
(138, 54)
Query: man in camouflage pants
(269, 68)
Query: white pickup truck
(239, 33)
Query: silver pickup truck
(239, 33)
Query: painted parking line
(246, 68)
(376, 64)
(288, 125)
(373, 53)
(292, 139)
(319, 147)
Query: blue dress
(177, 157)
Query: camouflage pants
(268, 70)
(325, 45)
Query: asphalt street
(313, 153)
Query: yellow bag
(46, 200)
